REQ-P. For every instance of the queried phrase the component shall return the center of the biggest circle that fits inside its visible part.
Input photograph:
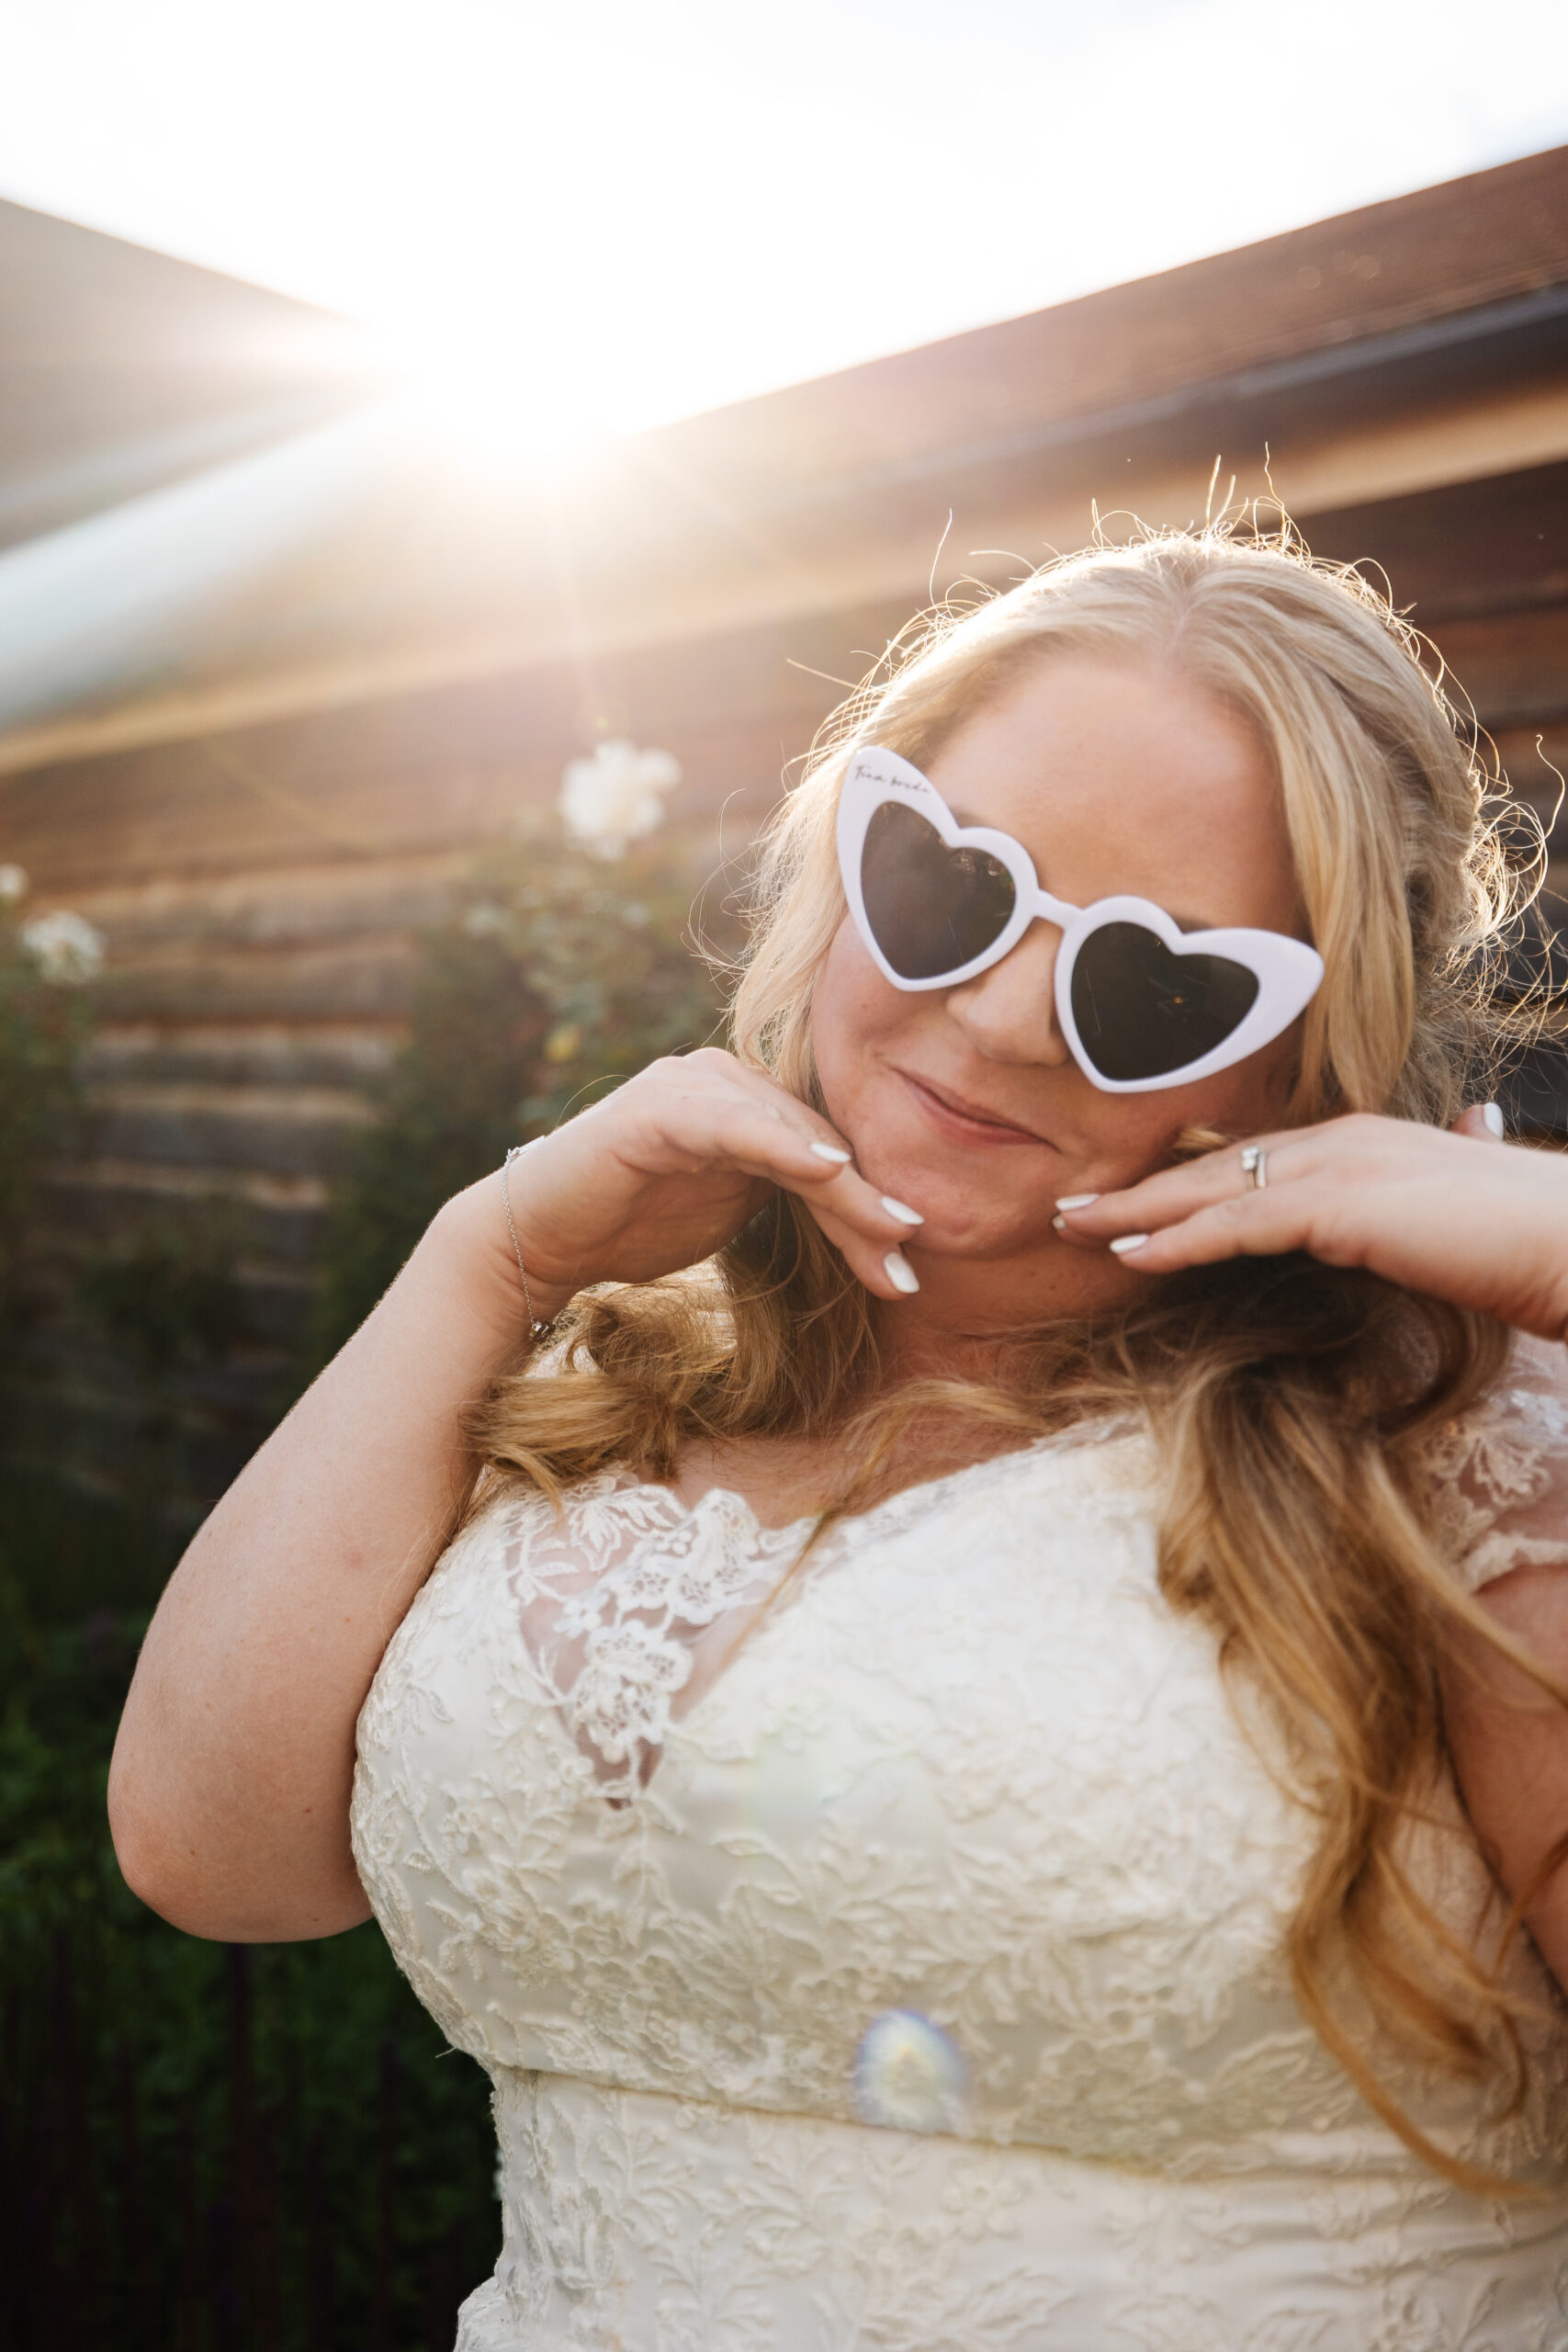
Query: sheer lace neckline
(632, 1600)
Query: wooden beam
(844, 558)
(1514, 666)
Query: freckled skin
(1114, 780)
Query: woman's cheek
(853, 1011)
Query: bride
(942, 1639)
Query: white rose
(614, 796)
(64, 946)
(486, 921)
(13, 884)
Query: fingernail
(1494, 1118)
(1125, 1241)
(831, 1151)
(897, 1208)
(1077, 1200)
(1059, 1223)
(900, 1273)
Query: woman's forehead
(1126, 779)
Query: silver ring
(1255, 1166)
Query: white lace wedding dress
(909, 1978)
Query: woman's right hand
(671, 1166)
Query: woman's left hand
(1462, 1216)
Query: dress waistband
(641, 2222)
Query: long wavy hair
(1288, 1398)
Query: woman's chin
(956, 1226)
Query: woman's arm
(228, 1792)
(1510, 1744)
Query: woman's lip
(951, 1111)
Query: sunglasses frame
(1288, 972)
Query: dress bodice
(884, 1946)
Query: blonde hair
(1287, 1398)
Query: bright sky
(617, 213)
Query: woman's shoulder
(1496, 1477)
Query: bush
(44, 1023)
(556, 976)
(203, 2146)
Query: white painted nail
(1494, 1118)
(1059, 1223)
(1077, 1200)
(900, 1273)
(897, 1208)
(1125, 1241)
(831, 1151)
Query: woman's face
(965, 1102)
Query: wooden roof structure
(259, 702)
(1404, 349)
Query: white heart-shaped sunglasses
(1141, 1003)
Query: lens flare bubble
(908, 2076)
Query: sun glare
(621, 216)
(494, 407)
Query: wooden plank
(278, 1219)
(367, 976)
(281, 906)
(1514, 666)
(1499, 544)
(1431, 449)
(284, 1195)
(436, 772)
(161, 817)
(278, 1130)
(243, 1053)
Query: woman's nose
(1009, 1013)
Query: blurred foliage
(205, 2147)
(168, 1296)
(165, 1305)
(43, 1027)
(73, 1552)
(558, 973)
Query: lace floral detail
(615, 1598)
(669, 1886)
(1497, 1477)
(658, 2225)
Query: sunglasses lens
(1144, 1012)
(932, 909)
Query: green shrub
(205, 2147)
(44, 1024)
(555, 974)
